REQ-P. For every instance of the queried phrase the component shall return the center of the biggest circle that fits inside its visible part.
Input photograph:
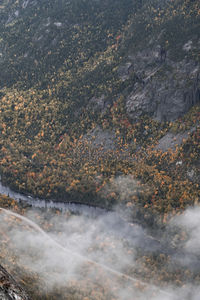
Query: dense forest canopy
(70, 75)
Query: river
(76, 208)
(115, 222)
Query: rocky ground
(9, 289)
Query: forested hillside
(100, 104)
(94, 92)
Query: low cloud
(99, 251)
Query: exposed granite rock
(125, 70)
(99, 138)
(190, 174)
(187, 46)
(97, 104)
(170, 140)
(165, 90)
(9, 289)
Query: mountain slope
(89, 88)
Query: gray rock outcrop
(170, 140)
(97, 104)
(9, 289)
(165, 90)
(99, 138)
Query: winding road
(37, 228)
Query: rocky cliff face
(9, 289)
(165, 89)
